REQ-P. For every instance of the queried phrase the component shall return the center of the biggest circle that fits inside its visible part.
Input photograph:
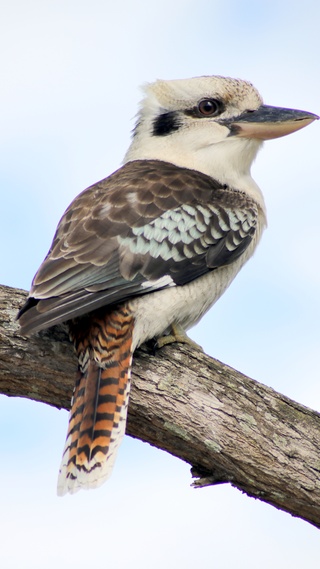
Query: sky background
(70, 77)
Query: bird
(143, 254)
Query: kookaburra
(144, 253)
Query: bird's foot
(179, 335)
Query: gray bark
(228, 427)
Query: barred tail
(99, 407)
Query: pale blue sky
(70, 74)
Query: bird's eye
(209, 107)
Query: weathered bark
(228, 427)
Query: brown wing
(148, 226)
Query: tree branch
(228, 427)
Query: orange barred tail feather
(99, 406)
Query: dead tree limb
(228, 427)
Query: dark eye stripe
(166, 123)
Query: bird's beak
(270, 122)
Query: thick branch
(228, 427)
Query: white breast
(185, 305)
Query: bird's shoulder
(140, 192)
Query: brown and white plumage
(97, 421)
(153, 245)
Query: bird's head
(212, 124)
